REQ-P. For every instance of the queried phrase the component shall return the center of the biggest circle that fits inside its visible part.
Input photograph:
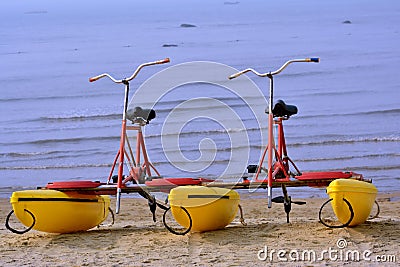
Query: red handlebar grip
(92, 79)
(166, 60)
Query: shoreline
(135, 240)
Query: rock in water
(186, 25)
(170, 45)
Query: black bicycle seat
(282, 110)
(138, 113)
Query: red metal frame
(138, 169)
(280, 168)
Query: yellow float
(53, 211)
(209, 208)
(360, 195)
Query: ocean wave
(162, 109)
(173, 103)
(187, 148)
(69, 166)
(74, 140)
(204, 132)
(166, 110)
(148, 136)
(394, 111)
(48, 98)
(27, 154)
(342, 158)
(375, 168)
(314, 93)
(382, 112)
(67, 118)
(166, 106)
(347, 141)
(167, 162)
(12, 157)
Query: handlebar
(235, 75)
(166, 60)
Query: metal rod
(130, 150)
(122, 148)
(112, 168)
(166, 60)
(235, 75)
(270, 138)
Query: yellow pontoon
(360, 196)
(53, 211)
(210, 208)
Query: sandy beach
(134, 240)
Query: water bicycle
(279, 172)
(197, 204)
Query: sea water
(56, 126)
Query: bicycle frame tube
(270, 138)
(122, 147)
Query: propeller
(287, 204)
